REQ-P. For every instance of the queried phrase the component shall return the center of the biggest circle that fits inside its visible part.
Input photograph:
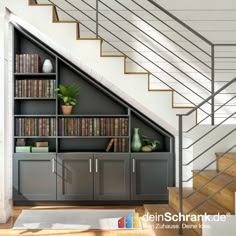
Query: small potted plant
(68, 94)
(150, 144)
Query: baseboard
(5, 213)
(86, 203)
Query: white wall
(5, 152)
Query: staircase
(196, 98)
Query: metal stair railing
(98, 7)
(125, 43)
(202, 138)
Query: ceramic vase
(47, 66)
(136, 143)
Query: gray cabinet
(112, 177)
(75, 176)
(34, 177)
(151, 174)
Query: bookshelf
(94, 140)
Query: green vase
(136, 143)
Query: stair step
(225, 161)
(107, 55)
(161, 209)
(210, 207)
(226, 196)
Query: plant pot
(66, 110)
(146, 149)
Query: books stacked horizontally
(21, 146)
(35, 88)
(27, 63)
(40, 147)
(35, 127)
(93, 126)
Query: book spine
(16, 88)
(97, 127)
(109, 145)
(40, 88)
(32, 63)
(94, 126)
(17, 63)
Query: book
(23, 149)
(109, 145)
(40, 149)
(40, 144)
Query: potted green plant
(150, 144)
(68, 94)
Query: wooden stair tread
(219, 180)
(112, 55)
(89, 39)
(67, 21)
(231, 155)
(137, 73)
(210, 206)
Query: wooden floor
(6, 229)
(149, 230)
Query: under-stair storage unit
(89, 155)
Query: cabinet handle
(96, 165)
(133, 165)
(53, 165)
(90, 165)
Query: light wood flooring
(149, 230)
(6, 229)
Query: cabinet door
(152, 174)
(34, 177)
(74, 176)
(112, 177)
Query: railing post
(212, 84)
(180, 172)
(96, 18)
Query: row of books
(35, 88)
(93, 126)
(35, 127)
(27, 63)
(117, 145)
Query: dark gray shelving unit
(77, 168)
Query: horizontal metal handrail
(210, 180)
(211, 195)
(155, 28)
(174, 29)
(209, 98)
(138, 51)
(157, 43)
(203, 136)
(181, 22)
(199, 122)
(158, 54)
(162, 81)
(209, 164)
(135, 50)
(194, 159)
